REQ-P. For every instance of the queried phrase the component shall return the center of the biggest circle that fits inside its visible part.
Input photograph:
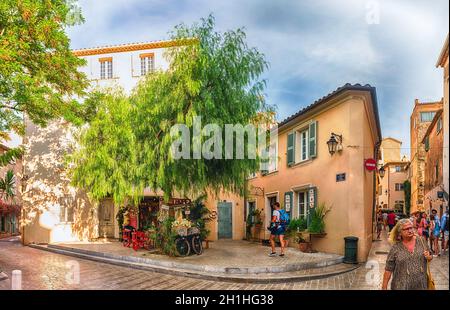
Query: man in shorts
(277, 229)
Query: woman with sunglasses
(407, 260)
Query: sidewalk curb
(204, 268)
(205, 275)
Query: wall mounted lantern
(381, 172)
(335, 143)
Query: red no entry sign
(370, 164)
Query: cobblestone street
(44, 270)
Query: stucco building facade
(420, 119)
(305, 174)
(390, 193)
(433, 142)
(443, 63)
(55, 211)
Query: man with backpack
(279, 222)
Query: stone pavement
(45, 270)
(370, 276)
(224, 256)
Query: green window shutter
(311, 191)
(288, 201)
(291, 149)
(427, 144)
(313, 139)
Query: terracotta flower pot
(304, 247)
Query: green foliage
(164, 237)
(199, 216)
(295, 226)
(38, 72)
(317, 222)
(7, 185)
(253, 218)
(119, 217)
(407, 190)
(10, 155)
(127, 147)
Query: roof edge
(340, 90)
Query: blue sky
(313, 47)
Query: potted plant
(303, 244)
(317, 220)
(257, 223)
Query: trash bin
(351, 250)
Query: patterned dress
(409, 270)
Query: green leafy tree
(39, 75)
(212, 75)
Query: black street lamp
(381, 172)
(334, 144)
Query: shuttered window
(313, 139)
(290, 149)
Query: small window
(398, 187)
(427, 116)
(302, 145)
(436, 171)
(66, 214)
(398, 168)
(147, 63)
(106, 68)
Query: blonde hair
(394, 235)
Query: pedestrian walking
(385, 216)
(379, 224)
(423, 227)
(277, 229)
(436, 232)
(444, 231)
(407, 260)
(431, 232)
(391, 220)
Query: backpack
(284, 217)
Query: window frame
(106, 68)
(302, 145)
(432, 113)
(305, 204)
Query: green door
(225, 220)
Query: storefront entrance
(225, 220)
